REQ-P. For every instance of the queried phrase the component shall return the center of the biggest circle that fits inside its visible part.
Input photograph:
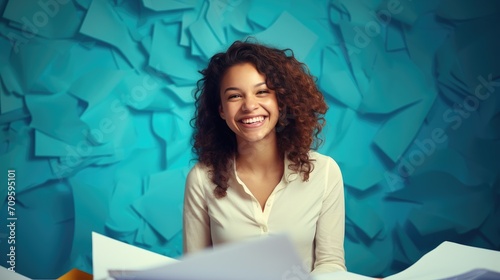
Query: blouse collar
(288, 175)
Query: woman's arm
(329, 239)
(196, 222)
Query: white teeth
(253, 120)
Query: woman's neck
(259, 156)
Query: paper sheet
(337, 79)
(9, 101)
(274, 256)
(169, 5)
(48, 19)
(164, 195)
(177, 63)
(342, 275)
(90, 214)
(102, 23)
(108, 253)
(18, 157)
(450, 259)
(46, 112)
(443, 198)
(288, 32)
(202, 34)
(264, 13)
(7, 274)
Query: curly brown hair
(301, 104)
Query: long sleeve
(196, 222)
(329, 239)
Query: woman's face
(248, 106)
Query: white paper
(263, 258)
(270, 258)
(108, 253)
(342, 275)
(450, 259)
(11, 275)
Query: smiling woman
(249, 108)
(258, 115)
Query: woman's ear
(221, 113)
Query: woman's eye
(262, 92)
(233, 96)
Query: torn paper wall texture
(96, 99)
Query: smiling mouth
(253, 120)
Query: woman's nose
(250, 104)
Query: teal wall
(96, 98)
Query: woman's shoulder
(199, 172)
(325, 163)
(327, 169)
(200, 167)
(321, 158)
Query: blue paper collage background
(96, 98)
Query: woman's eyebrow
(238, 89)
(231, 88)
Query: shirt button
(264, 228)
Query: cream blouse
(311, 212)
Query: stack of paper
(269, 258)
(452, 260)
(108, 253)
(449, 261)
(275, 258)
